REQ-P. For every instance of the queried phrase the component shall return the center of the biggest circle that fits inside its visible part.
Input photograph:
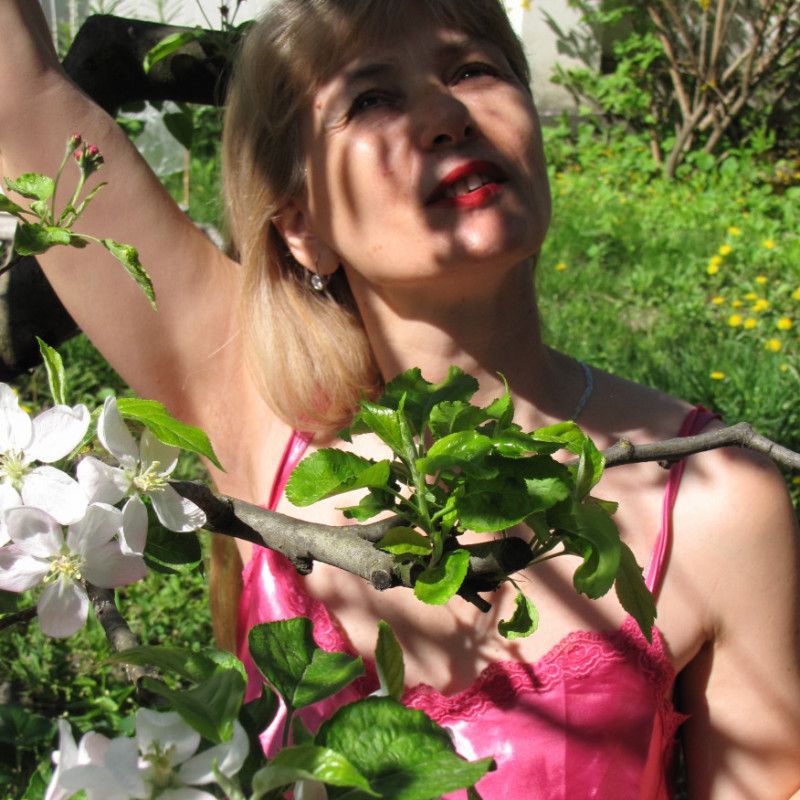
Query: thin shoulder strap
(292, 453)
(693, 423)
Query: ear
(294, 225)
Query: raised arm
(169, 355)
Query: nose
(442, 120)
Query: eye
(477, 69)
(370, 100)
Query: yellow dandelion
(715, 260)
(750, 323)
(796, 294)
(737, 303)
(773, 345)
(750, 296)
(784, 324)
(735, 320)
(784, 367)
(734, 231)
(761, 279)
(717, 375)
(561, 266)
(712, 269)
(760, 305)
(725, 250)
(769, 244)
(717, 301)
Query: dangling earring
(319, 283)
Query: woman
(394, 148)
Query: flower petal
(176, 513)
(134, 527)
(101, 482)
(64, 758)
(57, 432)
(185, 793)
(167, 728)
(99, 525)
(107, 567)
(229, 756)
(9, 497)
(113, 433)
(56, 493)
(117, 778)
(34, 531)
(62, 608)
(153, 450)
(20, 571)
(16, 428)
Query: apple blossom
(161, 762)
(48, 437)
(40, 553)
(144, 469)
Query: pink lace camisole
(591, 719)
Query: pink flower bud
(74, 141)
(92, 151)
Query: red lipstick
(468, 185)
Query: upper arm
(743, 688)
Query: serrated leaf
(330, 472)
(32, 185)
(389, 662)
(502, 409)
(567, 434)
(516, 444)
(633, 594)
(453, 416)
(195, 667)
(170, 548)
(56, 377)
(154, 416)
(383, 422)
(602, 546)
(42, 210)
(33, 239)
(211, 707)
(524, 621)
(8, 206)
(372, 503)
(308, 762)
(327, 674)
(169, 45)
(128, 256)
(461, 450)
(590, 469)
(436, 585)
(401, 752)
(402, 541)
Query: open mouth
(468, 185)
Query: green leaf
(401, 541)
(169, 45)
(8, 206)
(601, 556)
(382, 421)
(329, 472)
(128, 256)
(454, 416)
(493, 505)
(167, 548)
(401, 752)
(633, 594)
(567, 434)
(56, 377)
(211, 707)
(502, 409)
(460, 450)
(372, 503)
(524, 621)
(195, 667)
(154, 416)
(32, 185)
(23, 728)
(389, 662)
(308, 762)
(436, 585)
(33, 239)
(181, 125)
(512, 443)
(327, 674)
(590, 469)
(42, 210)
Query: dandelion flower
(768, 244)
(561, 266)
(761, 279)
(735, 320)
(717, 301)
(750, 323)
(712, 269)
(750, 296)
(717, 375)
(784, 324)
(734, 231)
(736, 303)
(715, 260)
(760, 305)
(773, 345)
(725, 250)
(796, 294)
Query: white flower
(161, 762)
(39, 553)
(49, 437)
(143, 469)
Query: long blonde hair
(310, 352)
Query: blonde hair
(310, 352)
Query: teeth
(474, 181)
(466, 185)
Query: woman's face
(425, 164)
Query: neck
(495, 330)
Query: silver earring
(319, 283)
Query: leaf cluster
(457, 467)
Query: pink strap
(694, 422)
(293, 452)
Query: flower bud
(74, 141)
